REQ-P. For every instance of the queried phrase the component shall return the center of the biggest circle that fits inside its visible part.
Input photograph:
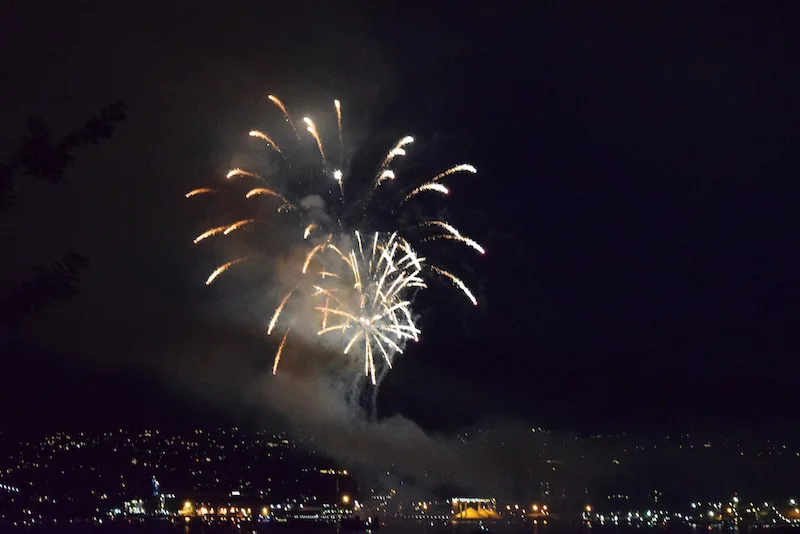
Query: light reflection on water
(392, 527)
(396, 527)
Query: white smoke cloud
(315, 206)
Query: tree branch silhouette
(39, 158)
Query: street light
(588, 508)
(345, 499)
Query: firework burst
(358, 284)
(372, 305)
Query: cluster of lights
(8, 488)
(702, 512)
(536, 509)
(716, 512)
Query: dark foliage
(41, 158)
(49, 283)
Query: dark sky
(637, 195)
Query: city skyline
(213, 474)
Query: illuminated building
(161, 502)
(134, 507)
(474, 508)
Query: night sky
(637, 193)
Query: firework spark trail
(441, 224)
(430, 186)
(410, 255)
(338, 106)
(278, 311)
(222, 268)
(397, 150)
(386, 339)
(367, 356)
(460, 238)
(199, 191)
(275, 100)
(311, 255)
(337, 175)
(280, 350)
(398, 283)
(387, 251)
(330, 329)
(382, 349)
(340, 313)
(307, 231)
(339, 252)
(353, 340)
(265, 191)
(464, 167)
(327, 292)
(356, 270)
(386, 174)
(315, 134)
(382, 279)
(270, 143)
(368, 350)
(241, 172)
(360, 247)
(457, 282)
(374, 247)
(238, 224)
(209, 233)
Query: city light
(212, 501)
